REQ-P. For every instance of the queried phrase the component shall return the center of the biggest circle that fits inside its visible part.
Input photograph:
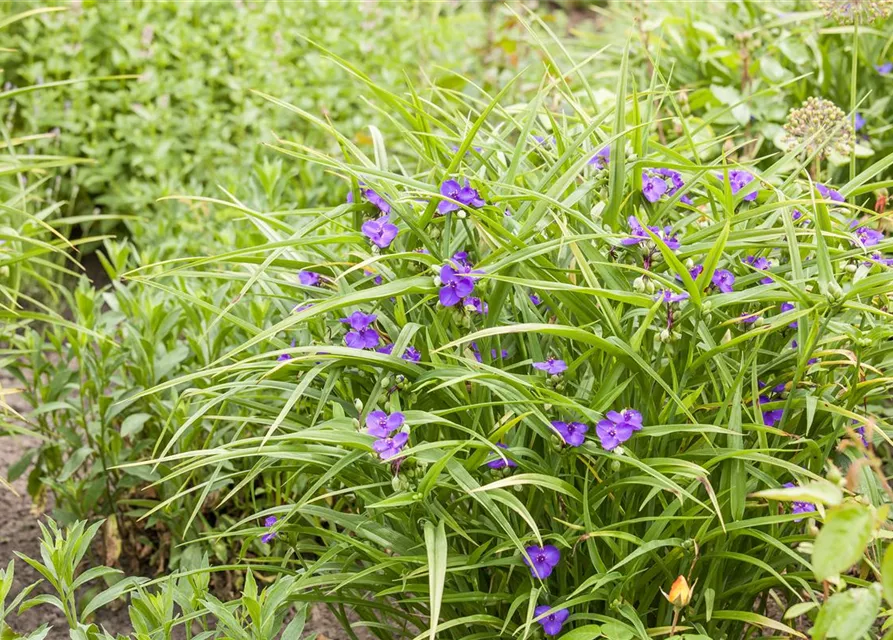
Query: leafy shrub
(573, 348)
(602, 348)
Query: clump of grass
(560, 381)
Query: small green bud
(358, 404)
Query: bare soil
(19, 531)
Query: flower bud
(649, 287)
(680, 593)
(639, 284)
(834, 474)
(437, 281)
(461, 214)
(358, 404)
(664, 335)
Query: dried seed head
(820, 126)
(856, 11)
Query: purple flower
(653, 188)
(884, 68)
(470, 197)
(535, 300)
(639, 234)
(465, 195)
(667, 295)
(694, 272)
(771, 417)
(859, 122)
(551, 366)
(381, 424)
(285, 356)
(828, 193)
(542, 560)
(573, 433)
(788, 306)
(738, 179)
(359, 320)
(760, 264)
(269, 521)
(600, 160)
(461, 258)
(861, 431)
(362, 336)
(377, 279)
(410, 354)
(378, 201)
(372, 197)
(362, 339)
(381, 232)
(723, 280)
(798, 215)
(302, 307)
(676, 183)
(868, 236)
(798, 506)
(308, 278)
(749, 318)
(475, 305)
(553, 622)
(455, 285)
(618, 428)
(387, 448)
(542, 140)
(878, 257)
(500, 462)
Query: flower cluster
(856, 11)
(819, 127)
(638, 234)
(382, 426)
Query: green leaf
(74, 462)
(133, 424)
(842, 540)
(848, 615)
(818, 492)
(586, 632)
(436, 545)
